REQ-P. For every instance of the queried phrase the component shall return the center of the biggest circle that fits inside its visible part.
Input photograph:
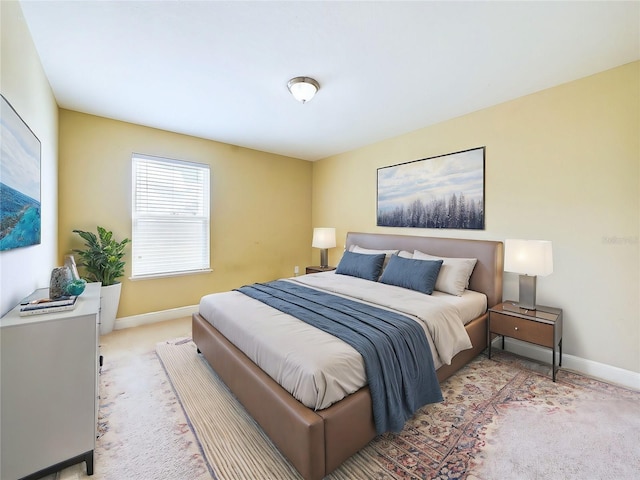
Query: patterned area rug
(501, 418)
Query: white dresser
(49, 388)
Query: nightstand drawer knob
(516, 328)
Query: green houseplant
(102, 262)
(102, 256)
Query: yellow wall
(561, 165)
(25, 86)
(260, 204)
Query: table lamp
(529, 258)
(324, 238)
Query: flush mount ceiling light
(303, 88)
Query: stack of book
(48, 305)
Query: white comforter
(317, 368)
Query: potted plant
(102, 262)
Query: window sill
(169, 275)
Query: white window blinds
(170, 212)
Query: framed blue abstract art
(20, 222)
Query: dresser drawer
(522, 329)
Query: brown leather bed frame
(317, 442)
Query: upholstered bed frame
(317, 442)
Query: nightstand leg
(502, 342)
(560, 345)
(553, 364)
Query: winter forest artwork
(19, 181)
(446, 191)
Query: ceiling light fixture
(303, 88)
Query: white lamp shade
(324, 238)
(528, 257)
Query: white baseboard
(605, 372)
(153, 317)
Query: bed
(317, 440)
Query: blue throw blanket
(396, 353)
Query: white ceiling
(219, 69)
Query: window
(170, 213)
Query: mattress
(317, 368)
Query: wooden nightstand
(318, 269)
(542, 327)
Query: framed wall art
(446, 191)
(19, 181)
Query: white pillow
(454, 273)
(369, 251)
(405, 254)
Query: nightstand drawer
(522, 329)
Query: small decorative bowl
(76, 287)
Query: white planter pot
(109, 300)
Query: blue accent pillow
(361, 265)
(419, 275)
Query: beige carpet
(502, 418)
(143, 433)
